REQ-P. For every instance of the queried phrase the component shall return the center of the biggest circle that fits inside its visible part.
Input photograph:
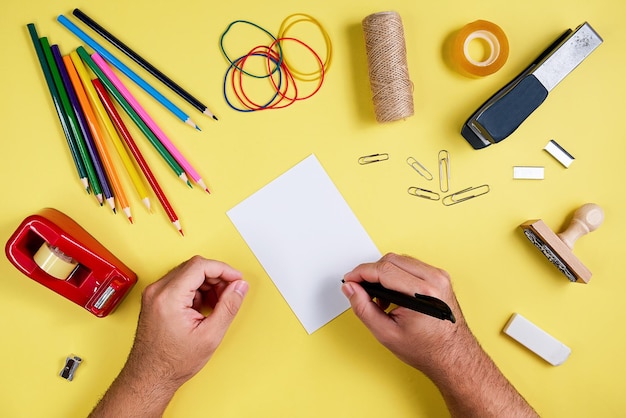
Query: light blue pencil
(127, 71)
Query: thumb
(374, 318)
(226, 308)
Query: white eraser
(528, 173)
(559, 153)
(537, 340)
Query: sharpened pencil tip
(207, 190)
(130, 218)
(215, 117)
(189, 184)
(191, 123)
(181, 232)
(114, 211)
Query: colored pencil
(148, 120)
(134, 149)
(97, 105)
(127, 71)
(98, 139)
(94, 178)
(85, 146)
(143, 63)
(134, 116)
(58, 106)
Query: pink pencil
(167, 143)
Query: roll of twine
(392, 90)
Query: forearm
(134, 394)
(473, 386)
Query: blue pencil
(127, 71)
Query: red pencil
(123, 131)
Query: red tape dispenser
(52, 249)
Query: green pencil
(73, 121)
(71, 141)
(133, 115)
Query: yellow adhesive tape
(493, 37)
(54, 262)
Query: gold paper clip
(374, 158)
(417, 166)
(463, 195)
(444, 163)
(423, 193)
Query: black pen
(420, 303)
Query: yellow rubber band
(286, 25)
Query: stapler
(505, 111)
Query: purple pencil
(84, 128)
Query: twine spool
(392, 90)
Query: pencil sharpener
(71, 364)
(52, 249)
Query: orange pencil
(107, 125)
(98, 137)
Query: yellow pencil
(98, 139)
(110, 128)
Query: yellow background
(267, 365)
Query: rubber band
(291, 71)
(282, 76)
(273, 103)
(282, 33)
(231, 70)
(260, 28)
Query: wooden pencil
(90, 157)
(108, 125)
(134, 149)
(127, 71)
(58, 106)
(98, 137)
(169, 159)
(189, 169)
(143, 63)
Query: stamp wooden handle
(587, 218)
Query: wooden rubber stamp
(557, 248)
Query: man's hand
(448, 353)
(174, 338)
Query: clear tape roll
(494, 38)
(54, 262)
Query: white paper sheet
(306, 237)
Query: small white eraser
(559, 153)
(537, 340)
(528, 173)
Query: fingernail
(347, 289)
(241, 287)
